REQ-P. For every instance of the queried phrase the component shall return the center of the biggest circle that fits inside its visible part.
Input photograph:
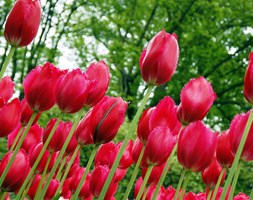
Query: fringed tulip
(223, 150)
(196, 147)
(6, 88)
(17, 172)
(33, 137)
(248, 81)
(235, 135)
(59, 137)
(40, 87)
(23, 22)
(9, 117)
(102, 123)
(196, 97)
(159, 146)
(99, 74)
(158, 61)
(211, 174)
(72, 91)
(26, 113)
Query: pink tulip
(6, 88)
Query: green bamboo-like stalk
(125, 141)
(209, 194)
(218, 184)
(134, 174)
(7, 61)
(92, 156)
(143, 185)
(237, 156)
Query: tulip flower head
(23, 22)
(158, 61)
(6, 88)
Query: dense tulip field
(44, 163)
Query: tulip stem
(2, 195)
(186, 180)
(134, 174)
(145, 193)
(6, 170)
(92, 156)
(218, 184)
(60, 155)
(59, 173)
(235, 181)
(125, 141)
(68, 168)
(237, 155)
(209, 194)
(251, 194)
(17, 138)
(28, 187)
(36, 163)
(179, 184)
(7, 61)
(143, 185)
(43, 176)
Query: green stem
(60, 155)
(36, 163)
(92, 156)
(68, 168)
(251, 194)
(165, 170)
(145, 193)
(237, 156)
(28, 187)
(235, 181)
(17, 138)
(6, 170)
(125, 141)
(179, 185)
(218, 184)
(43, 176)
(59, 173)
(209, 194)
(3, 195)
(143, 185)
(7, 61)
(186, 179)
(134, 174)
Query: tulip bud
(72, 91)
(248, 81)
(158, 61)
(23, 22)
(99, 74)
(196, 146)
(211, 174)
(102, 123)
(17, 172)
(196, 97)
(223, 151)
(33, 137)
(40, 86)
(6, 88)
(26, 113)
(9, 117)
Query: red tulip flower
(196, 147)
(73, 90)
(6, 88)
(235, 134)
(248, 81)
(126, 159)
(59, 137)
(223, 151)
(158, 61)
(159, 146)
(137, 147)
(66, 192)
(33, 137)
(211, 174)
(9, 117)
(241, 196)
(102, 123)
(99, 74)
(26, 113)
(23, 22)
(74, 182)
(40, 86)
(17, 172)
(155, 174)
(196, 97)
(106, 154)
(119, 175)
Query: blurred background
(215, 39)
